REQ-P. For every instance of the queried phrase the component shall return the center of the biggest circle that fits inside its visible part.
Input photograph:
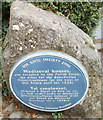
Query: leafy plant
(5, 90)
(5, 18)
(85, 15)
(5, 24)
(101, 118)
(56, 116)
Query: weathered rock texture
(33, 29)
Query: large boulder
(32, 29)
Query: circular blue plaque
(49, 81)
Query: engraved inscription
(48, 83)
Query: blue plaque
(49, 81)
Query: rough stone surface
(1, 115)
(18, 114)
(41, 117)
(33, 29)
(10, 108)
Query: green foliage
(56, 116)
(5, 90)
(101, 118)
(5, 24)
(4, 29)
(84, 14)
(5, 18)
(0, 75)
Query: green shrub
(5, 24)
(57, 115)
(5, 18)
(84, 14)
